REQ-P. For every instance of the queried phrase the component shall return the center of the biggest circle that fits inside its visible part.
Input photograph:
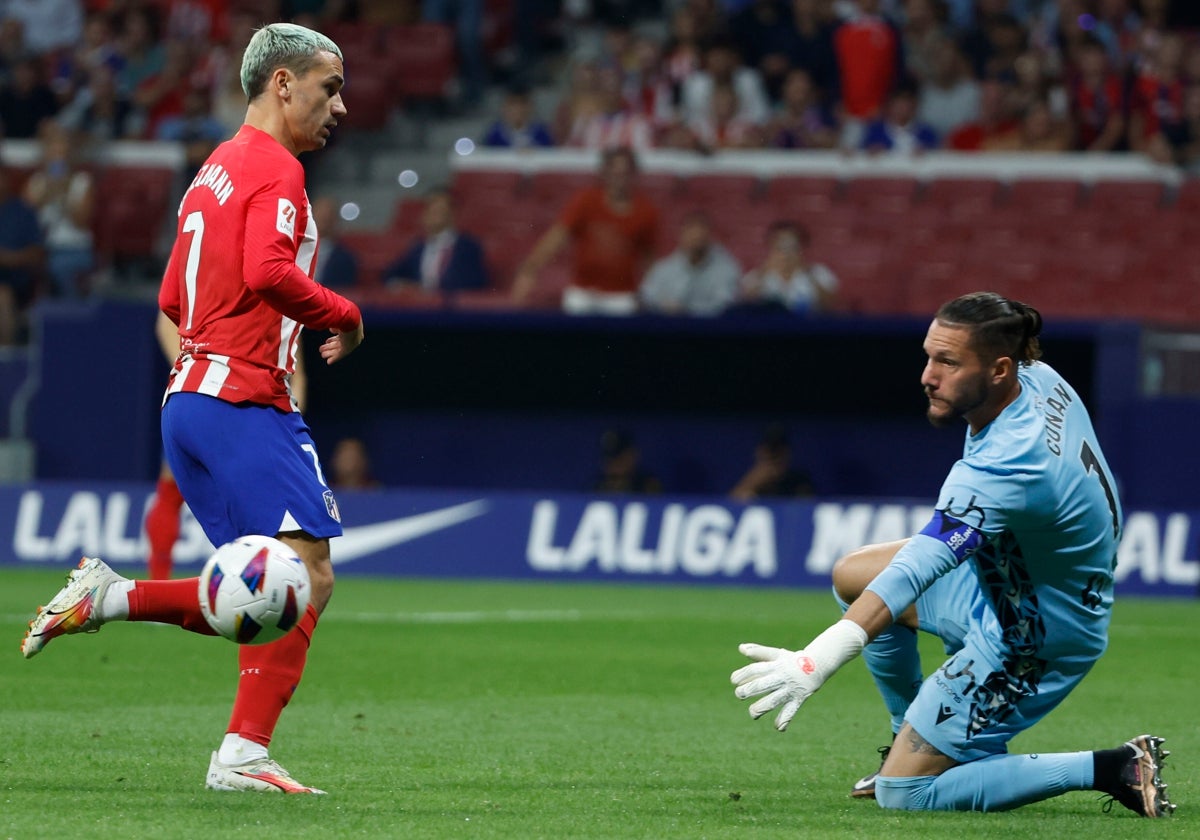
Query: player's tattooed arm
(920, 745)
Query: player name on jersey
(213, 176)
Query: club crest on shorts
(331, 506)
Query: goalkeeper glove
(787, 677)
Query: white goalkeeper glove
(787, 677)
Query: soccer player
(1015, 573)
(162, 518)
(238, 286)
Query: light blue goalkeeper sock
(997, 783)
(895, 665)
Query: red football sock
(162, 527)
(171, 602)
(269, 676)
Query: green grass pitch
(477, 709)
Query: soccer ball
(254, 590)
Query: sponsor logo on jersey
(958, 536)
(285, 221)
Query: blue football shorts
(246, 469)
(978, 700)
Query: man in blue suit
(444, 259)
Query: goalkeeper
(1014, 573)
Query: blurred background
(799, 185)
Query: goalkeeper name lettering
(700, 541)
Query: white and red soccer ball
(254, 590)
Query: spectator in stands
(581, 100)
(443, 259)
(922, 36)
(899, 131)
(1185, 140)
(466, 16)
(787, 279)
(61, 191)
(100, 112)
(143, 54)
(648, 89)
(350, 466)
(996, 126)
(1097, 100)
(802, 120)
(611, 122)
(161, 96)
(223, 68)
(1039, 131)
(771, 473)
(867, 47)
(949, 99)
(26, 101)
(98, 48)
(699, 277)
(977, 42)
(683, 54)
(196, 129)
(337, 266)
(762, 29)
(723, 65)
(613, 229)
(1157, 106)
(810, 46)
(726, 126)
(517, 127)
(1008, 40)
(1035, 81)
(47, 25)
(621, 469)
(21, 257)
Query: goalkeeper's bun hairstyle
(999, 326)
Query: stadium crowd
(869, 76)
(885, 76)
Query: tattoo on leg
(920, 745)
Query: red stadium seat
(958, 197)
(504, 183)
(1127, 197)
(1187, 196)
(419, 59)
(135, 203)
(719, 193)
(801, 195)
(881, 193)
(1043, 197)
(369, 100)
(354, 38)
(558, 186)
(660, 187)
(375, 250)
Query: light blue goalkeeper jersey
(1033, 508)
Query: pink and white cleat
(75, 609)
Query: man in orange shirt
(613, 229)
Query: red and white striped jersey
(239, 281)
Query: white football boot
(262, 774)
(76, 607)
